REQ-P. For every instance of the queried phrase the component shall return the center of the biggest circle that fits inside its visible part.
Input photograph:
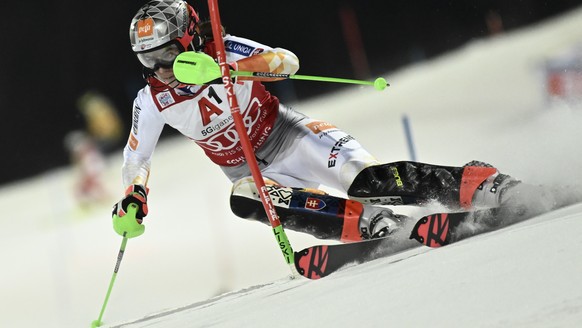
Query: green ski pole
(128, 227)
(198, 68)
(97, 323)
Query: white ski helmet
(160, 23)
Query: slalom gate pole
(245, 142)
(408, 135)
(97, 323)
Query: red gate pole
(245, 142)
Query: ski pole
(97, 322)
(198, 68)
(128, 227)
(379, 83)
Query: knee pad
(245, 201)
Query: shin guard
(412, 183)
(305, 210)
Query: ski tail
(440, 229)
(312, 262)
(436, 230)
(319, 261)
(432, 230)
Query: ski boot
(493, 192)
(378, 222)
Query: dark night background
(54, 51)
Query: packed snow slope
(525, 276)
(197, 265)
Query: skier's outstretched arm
(146, 128)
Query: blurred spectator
(494, 22)
(87, 148)
(102, 119)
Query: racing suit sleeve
(147, 125)
(259, 58)
(277, 60)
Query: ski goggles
(162, 57)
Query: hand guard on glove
(129, 212)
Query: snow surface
(198, 265)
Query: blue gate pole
(408, 133)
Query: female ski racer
(296, 154)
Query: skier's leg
(400, 183)
(315, 212)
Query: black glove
(136, 194)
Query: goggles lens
(163, 57)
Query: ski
(319, 261)
(441, 229)
(433, 230)
(525, 202)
